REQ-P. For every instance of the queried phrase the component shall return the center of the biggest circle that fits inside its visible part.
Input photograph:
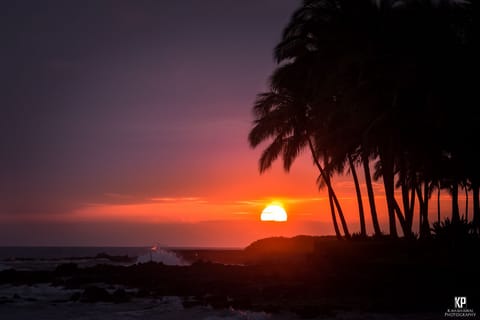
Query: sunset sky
(126, 123)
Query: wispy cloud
(178, 199)
(304, 200)
(284, 200)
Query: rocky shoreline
(312, 277)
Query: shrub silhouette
(449, 230)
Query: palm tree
(308, 30)
(476, 206)
(391, 79)
(438, 203)
(325, 179)
(306, 81)
(371, 197)
(363, 230)
(343, 34)
(455, 209)
(465, 186)
(283, 118)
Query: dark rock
(76, 296)
(191, 302)
(217, 301)
(4, 300)
(311, 311)
(120, 296)
(143, 293)
(124, 258)
(67, 268)
(95, 294)
(242, 303)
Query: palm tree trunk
(424, 212)
(438, 203)
(426, 221)
(330, 189)
(412, 206)
(334, 218)
(371, 196)
(455, 209)
(466, 202)
(420, 216)
(388, 183)
(338, 206)
(361, 213)
(423, 223)
(476, 206)
(405, 197)
(406, 231)
(408, 203)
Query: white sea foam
(164, 256)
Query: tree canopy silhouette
(384, 81)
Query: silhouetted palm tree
(361, 212)
(282, 117)
(381, 77)
(308, 29)
(302, 82)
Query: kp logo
(460, 309)
(460, 302)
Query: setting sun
(274, 212)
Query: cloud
(178, 199)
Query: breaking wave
(164, 256)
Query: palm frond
(270, 154)
(297, 36)
(378, 170)
(274, 123)
(293, 146)
(265, 129)
(268, 101)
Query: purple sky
(114, 96)
(118, 101)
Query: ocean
(65, 252)
(48, 301)
(48, 258)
